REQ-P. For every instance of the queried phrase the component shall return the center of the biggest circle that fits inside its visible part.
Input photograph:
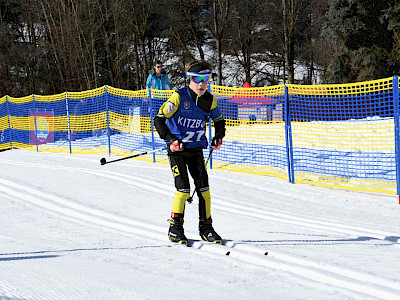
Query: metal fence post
(34, 114)
(151, 124)
(396, 130)
(68, 122)
(9, 121)
(288, 136)
(210, 132)
(108, 121)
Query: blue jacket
(157, 83)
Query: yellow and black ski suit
(184, 117)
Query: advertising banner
(44, 132)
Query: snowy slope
(73, 229)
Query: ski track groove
(63, 279)
(218, 203)
(357, 281)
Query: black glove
(216, 143)
(176, 145)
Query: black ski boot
(176, 233)
(207, 232)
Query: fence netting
(343, 135)
(331, 135)
(255, 136)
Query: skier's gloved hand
(176, 145)
(216, 143)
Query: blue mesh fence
(343, 135)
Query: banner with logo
(44, 132)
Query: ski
(227, 246)
(200, 244)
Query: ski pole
(103, 160)
(190, 199)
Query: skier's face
(199, 88)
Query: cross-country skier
(181, 122)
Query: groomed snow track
(354, 280)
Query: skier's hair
(198, 65)
(157, 62)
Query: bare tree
(289, 22)
(245, 34)
(217, 23)
(141, 11)
(50, 46)
(187, 38)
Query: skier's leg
(199, 174)
(198, 171)
(181, 179)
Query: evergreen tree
(392, 16)
(11, 32)
(364, 38)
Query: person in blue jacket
(181, 122)
(158, 78)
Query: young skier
(181, 122)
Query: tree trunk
(218, 44)
(288, 32)
(137, 63)
(31, 68)
(247, 64)
(54, 49)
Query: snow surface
(73, 229)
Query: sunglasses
(200, 78)
(158, 67)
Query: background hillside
(49, 47)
